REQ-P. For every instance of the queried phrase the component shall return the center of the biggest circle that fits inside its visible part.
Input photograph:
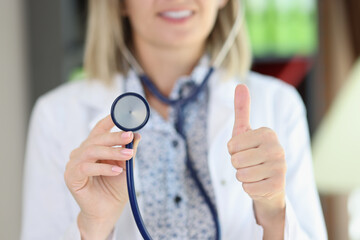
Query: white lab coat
(62, 119)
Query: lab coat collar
(98, 94)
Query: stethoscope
(130, 112)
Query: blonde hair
(109, 33)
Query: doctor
(254, 161)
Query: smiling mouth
(177, 15)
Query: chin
(181, 40)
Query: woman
(256, 170)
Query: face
(172, 23)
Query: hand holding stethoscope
(93, 175)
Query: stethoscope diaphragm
(130, 111)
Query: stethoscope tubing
(206, 197)
(181, 102)
(132, 197)
(180, 105)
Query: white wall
(13, 116)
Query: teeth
(177, 14)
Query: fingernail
(127, 151)
(126, 135)
(117, 169)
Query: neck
(165, 65)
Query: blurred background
(311, 44)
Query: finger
(253, 174)
(111, 139)
(248, 140)
(266, 188)
(94, 153)
(121, 164)
(252, 139)
(99, 169)
(242, 110)
(247, 158)
(104, 125)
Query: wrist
(94, 228)
(270, 212)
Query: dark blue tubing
(179, 105)
(132, 197)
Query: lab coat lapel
(220, 118)
(221, 105)
(220, 124)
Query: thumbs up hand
(259, 160)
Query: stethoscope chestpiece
(130, 111)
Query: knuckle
(83, 168)
(88, 141)
(278, 186)
(280, 169)
(285, 167)
(277, 152)
(69, 165)
(238, 176)
(247, 188)
(99, 139)
(73, 153)
(98, 124)
(89, 152)
(241, 175)
(234, 161)
(231, 146)
(280, 153)
(267, 133)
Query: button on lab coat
(63, 118)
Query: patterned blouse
(173, 207)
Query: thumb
(137, 138)
(242, 110)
